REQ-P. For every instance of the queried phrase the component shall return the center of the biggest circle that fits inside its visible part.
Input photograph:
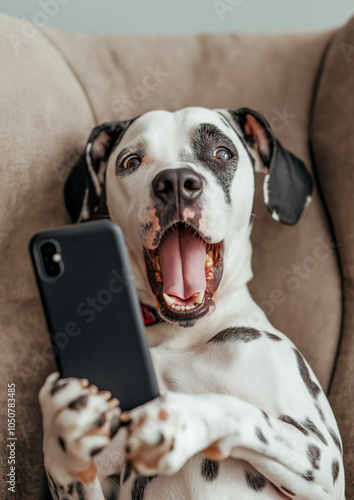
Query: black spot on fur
(125, 424)
(255, 480)
(140, 483)
(266, 416)
(95, 451)
(161, 439)
(115, 478)
(236, 334)
(320, 412)
(80, 491)
(53, 486)
(309, 476)
(70, 488)
(310, 425)
(62, 443)
(78, 403)
(272, 336)
(335, 439)
(335, 470)
(115, 484)
(224, 121)
(58, 386)
(115, 424)
(206, 139)
(210, 469)
(294, 423)
(260, 435)
(146, 227)
(100, 420)
(289, 492)
(312, 387)
(127, 472)
(314, 455)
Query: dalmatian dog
(241, 414)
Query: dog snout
(178, 186)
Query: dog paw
(160, 437)
(78, 422)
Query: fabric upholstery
(57, 85)
(333, 147)
(43, 114)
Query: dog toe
(151, 435)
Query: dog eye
(132, 161)
(222, 154)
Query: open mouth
(184, 272)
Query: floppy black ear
(82, 189)
(288, 185)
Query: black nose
(177, 185)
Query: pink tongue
(182, 259)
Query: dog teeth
(199, 298)
(178, 307)
(209, 260)
(168, 299)
(157, 263)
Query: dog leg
(165, 433)
(78, 422)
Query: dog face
(181, 186)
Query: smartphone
(92, 309)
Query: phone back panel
(93, 312)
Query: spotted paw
(78, 422)
(160, 436)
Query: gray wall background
(183, 16)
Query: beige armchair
(56, 86)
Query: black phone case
(93, 312)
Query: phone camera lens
(52, 267)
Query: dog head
(181, 186)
